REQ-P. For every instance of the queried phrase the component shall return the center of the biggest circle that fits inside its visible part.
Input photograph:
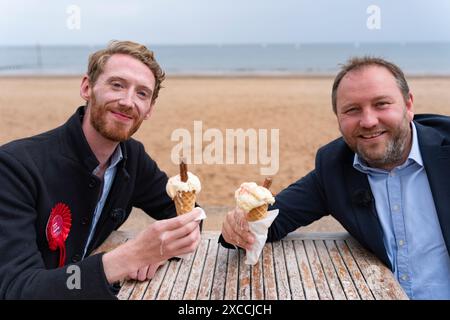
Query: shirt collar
(115, 158)
(414, 155)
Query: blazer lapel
(364, 210)
(436, 158)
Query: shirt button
(401, 243)
(392, 174)
(84, 221)
(92, 183)
(404, 277)
(395, 207)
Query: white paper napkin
(259, 229)
(202, 216)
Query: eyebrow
(381, 98)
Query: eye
(381, 103)
(142, 94)
(117, 85)
(351, 110)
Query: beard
(113, 130)
(394, 149)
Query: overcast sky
(221, 21)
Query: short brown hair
(98, 59)
(357, 63)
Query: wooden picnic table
(302, 266)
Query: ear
(85, 89)
(410, 106)
(149, 112)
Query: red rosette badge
(58, 228)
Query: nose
(368, 119)
(126, 99)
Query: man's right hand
(235, 229)
(145, 273)
(160, 241)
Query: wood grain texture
(302, 266)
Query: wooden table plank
(168, 281)
(204, 292)
(318, 274)
(244, 278)
(377, 276)
(139, 290)
(355, 273)
(295, 282)
(330, 274)
(341, 270)
(126, 290)
(220, 274)
(284, 292)
(305, 271)
(257, 281)
(182, 279)
(231, 287)
(154, 285)
(270, 285)
(196, 272)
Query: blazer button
(117, 214)
(92, 183)
(84, 221)
(76, 258)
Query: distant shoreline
(232, 61)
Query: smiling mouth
(371, 135)
(122, 115)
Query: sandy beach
(299, 107)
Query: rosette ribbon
(58, 228)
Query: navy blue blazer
(335, 187)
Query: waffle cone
(184, 202)
(257, 213)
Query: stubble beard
(395, 149)
(112, 130)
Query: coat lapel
(436, 158)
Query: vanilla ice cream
(249, 196)
(175, 185)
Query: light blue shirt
(108, 179)
(412, 234)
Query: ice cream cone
(183, 189)
(254, 199)
(184, 202)
(257, 213)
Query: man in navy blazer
(386, 180)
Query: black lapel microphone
(362, 198)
